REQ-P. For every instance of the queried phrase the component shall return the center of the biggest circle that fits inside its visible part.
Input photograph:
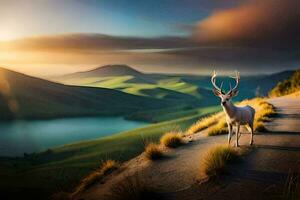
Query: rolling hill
(192, 89)
(23, 96)
(107, 70)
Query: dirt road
(260, 175)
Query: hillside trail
(261, 173)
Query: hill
(287, 86)
(195, 90)
(23, 96)
(107, 70)
(63, 167)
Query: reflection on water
(18, 137)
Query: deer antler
(213, 81)
(237, 80)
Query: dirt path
(260, 175)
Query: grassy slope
(63, 167)
(185, 96)
(288, 86)
(188, 88)
(137, 86)
(23, 96)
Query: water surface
(19, 137)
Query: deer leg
(229, 132)
(251, 127)
(237, 134)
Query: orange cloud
(256, 22)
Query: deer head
(225, 97)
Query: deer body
(242, 115)
(235, 116)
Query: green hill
(107, 70)
(191, 89)
(23, 96)
(126, 79)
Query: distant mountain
(193, 90)
(23, 96)
(107, 70)
(250, 86)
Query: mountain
(107, 70)
(23, 96)
(249, 87)
(193, 90)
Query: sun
(6, 35)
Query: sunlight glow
(6, 35)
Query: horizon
(174, 37)
(220, 72)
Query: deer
(235, 115)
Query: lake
(18, 137)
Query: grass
(216, 159)
(172, 139)
(259, 127)
(139, 86)
(219, 129)
(62, 168)
(133, 188)
(153, 151)
(216, 123)
(288, 86)
(292, 186)
(106, 168)
(203, 123)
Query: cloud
(253, 36)
(95, 42)
(268, 23)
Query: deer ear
(216, 92)
(233, 93)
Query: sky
(52, 37)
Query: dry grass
(216, 124)
(204, 123)
(259, 127)
(215, 160)
(132, 188)
(106, 168)
(288, 86)
(292, 186)
(172, 139)
(219, 128)
(153, 151)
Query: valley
(167, 102)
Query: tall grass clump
(288, 86)
(263, 112)
(219, 128)
(106, 168)
(133, 188)
(292, 187)
(153, 151)
(216, 159)
(172, 139)
(204, 123)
